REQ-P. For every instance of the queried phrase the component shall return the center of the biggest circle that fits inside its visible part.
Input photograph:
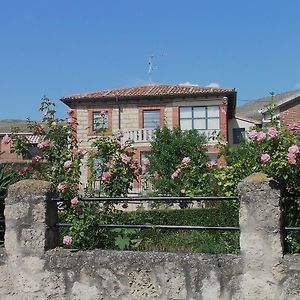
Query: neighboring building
(255, 113)
(137, 111)
(7, 153)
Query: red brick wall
(175, 116)
(223, 121)
(7, 155)
(290, 113)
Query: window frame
(206, 118)
(141, 115)
(91, 113)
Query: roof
(6, 126)
(148, 91)
(254, 108)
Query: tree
(170, 149)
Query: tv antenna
(152, 66)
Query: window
(199, 117)
(98, 166)
(238, 135)
(143, 159)
(212, 156)
(151, 118)
(100, 121)
(33, 150)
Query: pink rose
(212, 164)
(36, 158)
(260, 136)
(67, 240)
(106, 176)
(74, 201)
(186, 160)
(67, 164)
(111, 165)
(61, 186)
(294, 126)
(125, 205)
(81, 151)
(53, 124)
(144, 170)
(6, 139)
(44, 144)
(125, 159)
(146, 162)
(293, 149)
(25, 168)
(71, 121)
(265, 157)
(292, 158)
(252, 134)
(272, 132)
(174, 175)
(71, 111)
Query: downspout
(119, 113)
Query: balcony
(146, 135)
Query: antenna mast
(150, 68)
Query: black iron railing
(163, 199)
(2, 221)
(168, 199)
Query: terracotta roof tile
(149, 91)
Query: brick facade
(127, 115)
(290, 113)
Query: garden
(177, 167)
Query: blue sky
(57, 48)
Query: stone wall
(32, 268)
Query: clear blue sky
(61, 47)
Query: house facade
(7, 152)
(255, 112)
(137, 111)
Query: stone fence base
(31, 269)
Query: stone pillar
(30, 217)
(261, 237)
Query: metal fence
(162, 199)
(2, 221)
(165, 199)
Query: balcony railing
(141, 135)
(146, 135)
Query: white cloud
(213, 85)
(187, 83)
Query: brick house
(254, 112)
(137, 111)
(7, 153)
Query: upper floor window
(100, 121)
(151, 118)
(199, 117)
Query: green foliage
(178, 240)
(58, 146)
(276, 153)
(169, 148)
(113, 165)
